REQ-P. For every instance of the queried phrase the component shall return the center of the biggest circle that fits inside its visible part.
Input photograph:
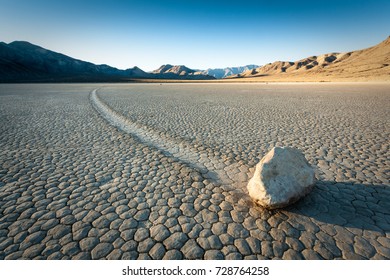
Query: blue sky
(199, 34)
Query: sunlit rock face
(282, 177)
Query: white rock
(281, 178)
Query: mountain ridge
(169, 71)
(221, 73)
(22, 61)
(371, 63)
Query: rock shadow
(347, 204)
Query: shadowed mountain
(367, 64)
(24, 62)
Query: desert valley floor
(158, 171)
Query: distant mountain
(24, 62)
(168, 71)
(220, 73)
(368, 64)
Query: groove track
(221, 173)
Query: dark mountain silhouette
(24, 62)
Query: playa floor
(158, 171)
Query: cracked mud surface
(149, 171)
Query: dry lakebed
(159, 171)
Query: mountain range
(362, 65)
(168, 71)
(24, 62)
(220, 73)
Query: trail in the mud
(206, 164)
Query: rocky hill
(168, 71)
(25, 62)
(368, 64)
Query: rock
(282, 177)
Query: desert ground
(158, 171)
